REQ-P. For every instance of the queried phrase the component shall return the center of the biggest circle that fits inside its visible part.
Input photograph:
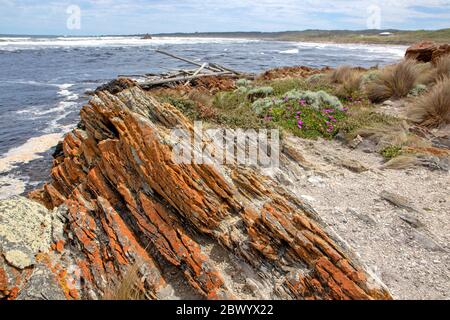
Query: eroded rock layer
(186, 225)
(427, 51)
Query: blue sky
(159, 16)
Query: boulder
(441, 51)
(27, 232)
(427, 51)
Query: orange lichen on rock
(129, 201)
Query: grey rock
(354, 165)
(25, 230)
(41, 285)
(316, 181)
(426, 241)
(397, 200)
(387, 103)
(435, 163)
(364, 217)
(411, 220)
(355, 142)
(368, 146)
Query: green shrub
(315, 99)
(242, 90)
(261, 106)
(259, 92)
(305, 113)
(243, 83)
(315, 78)
(418, 90)
(391, 152)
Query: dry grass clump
(442, 68)
(389, 137)
(348, 81)
(433, 108)
(201, 97)
(395, 81)
(130, 287)
(351, 86)
(340, 74)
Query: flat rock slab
(25, 230)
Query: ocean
(43, 83)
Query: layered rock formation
(427, 51)
(195, 231)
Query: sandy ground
(407, 246)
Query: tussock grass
(433, 108)
(391, 140)
(347, 81)
(128, 288)
(340, 74)
(351, 87)
(442, 68)
(395, 81)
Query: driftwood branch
(196, 73)
(149, 84)
(188, 60)
(184, 76)
(215, 65)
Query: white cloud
(126, 16)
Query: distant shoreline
(394, 37)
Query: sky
(102, 17)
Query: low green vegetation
(341, 102)
(391, 152)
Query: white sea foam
(35, 43)
(11, 186)
(373, 49)
(64, 93)
(73, 96)
(64, 86)
(29, 151)
(290, 51)
(67, 103)
(62, 106)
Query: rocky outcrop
(225, 232)
(27, 232)
(427, 51)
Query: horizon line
(216, 32)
